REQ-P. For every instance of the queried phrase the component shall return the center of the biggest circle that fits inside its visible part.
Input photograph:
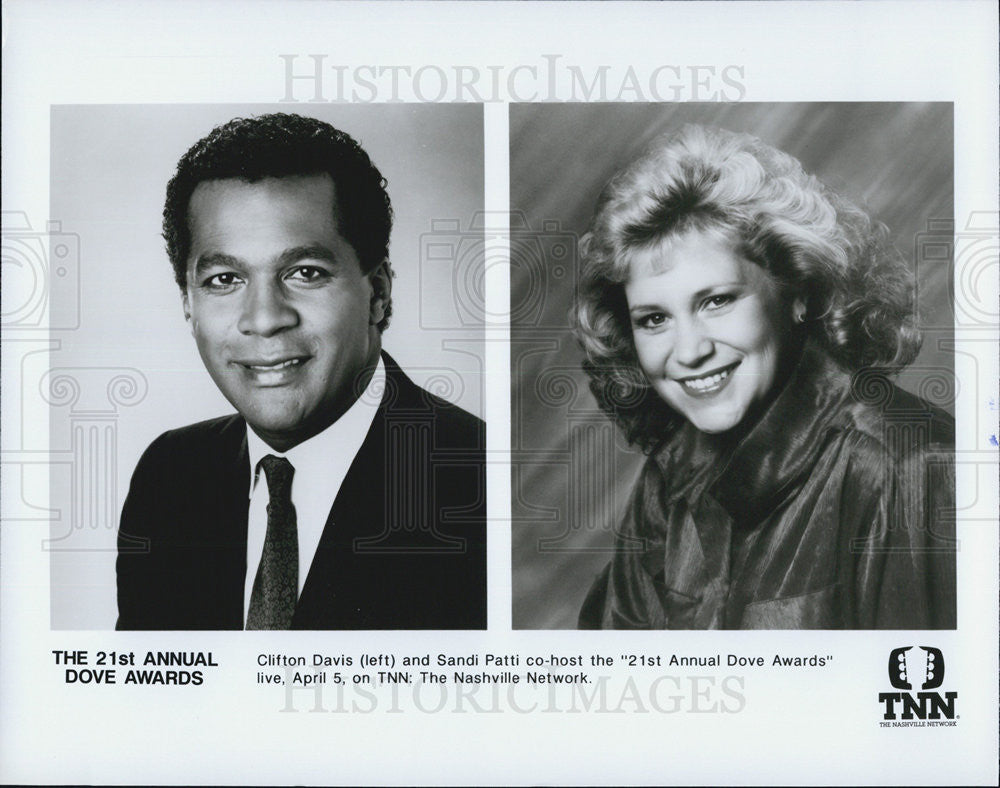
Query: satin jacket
(835, 511)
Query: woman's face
(710, 328)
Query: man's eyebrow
(215, 260)
(307, 252)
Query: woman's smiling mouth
(705, 385)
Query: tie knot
(279, 472)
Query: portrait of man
(340, 495)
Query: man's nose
(266, 310)
(692, 344)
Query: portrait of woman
(741, 324)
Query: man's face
(284, 319)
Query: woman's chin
(715, 426)
(712, 416)
(715, 419)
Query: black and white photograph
(734, 448)
(340, 494)
(521, 393)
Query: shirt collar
(779, 449)
(345, 435)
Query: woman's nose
(692, 345)
(266, 310)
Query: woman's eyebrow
(640, 308)
(696, 296)
(713, 288)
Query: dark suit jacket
(404, 546)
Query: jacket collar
(329, 453)
(751, 479)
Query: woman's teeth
(707, 383)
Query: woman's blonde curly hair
(817, 246)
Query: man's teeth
(707, 383)
(279, 365)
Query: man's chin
(281, 432)
(272, 423)
(280, 437)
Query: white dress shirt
(320, 463)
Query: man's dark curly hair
(275, 146)
(816, 245)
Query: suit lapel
(338, 592)
(380, 557)
(204, 542)
(334, 594)
(230, 496)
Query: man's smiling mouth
(273, 373)
(276, 365)
(710, 383)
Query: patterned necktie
(276, 587)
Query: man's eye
(223, 280)
(308, 273)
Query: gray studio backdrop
(571, 470)
(124, 367)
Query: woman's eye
(718, 301)
(652, 320)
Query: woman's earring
(800, 316)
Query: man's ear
(186, 302)
(380, 306)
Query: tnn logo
(903, 673)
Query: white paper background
(816, 725)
